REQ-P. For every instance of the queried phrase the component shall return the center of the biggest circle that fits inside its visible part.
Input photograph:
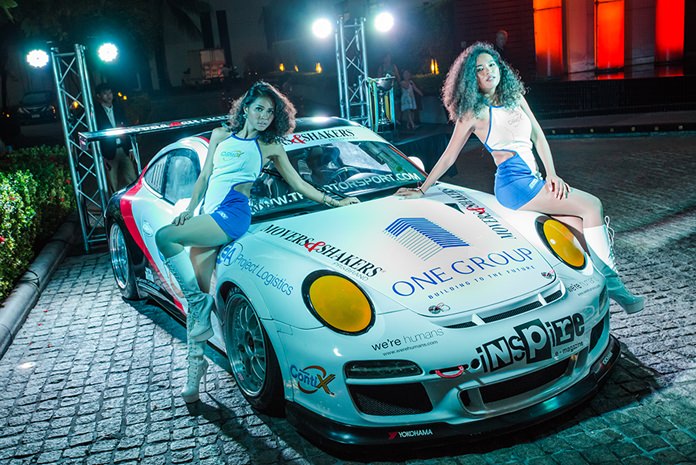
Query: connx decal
(422, 237)
(312, 378)
(341, 258)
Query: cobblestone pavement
(92, 379)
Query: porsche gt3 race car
(390, 321)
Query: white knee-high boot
(602, 252)
(199, 303)
(196, 367)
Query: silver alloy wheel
(119, 256)
(246, 347)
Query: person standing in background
(116, 151)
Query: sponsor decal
(533, 341)
(408, 342)
(232, 255)
(439, 308)
(422, 237)
(466, 204)
(342, 259)
(413, 433)
(583, 287)
(258, 204)
(326, 134)
(312, 378)
(230, 154)
(373, 180)
(441, 280)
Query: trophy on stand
(382, 113)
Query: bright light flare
(108, 52)
(322, 28)
(37, 58)
(384, 21)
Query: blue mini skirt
(233, 215)
(515, 184)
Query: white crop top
(236, 161)
(510, 130)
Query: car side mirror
(418, 162)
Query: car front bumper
(325, 431)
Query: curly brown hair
(460, 92)
(283, 112)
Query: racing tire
(122, 264)
(252, 358)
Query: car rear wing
(131, 131)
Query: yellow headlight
(338, 302)
(563, 243)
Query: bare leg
(199, 231)
(588, 209)
(574, 223)
(203, 259)
(579, 204)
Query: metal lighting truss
(86, 167)
(351, 63)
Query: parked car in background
(37, 107)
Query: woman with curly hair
(484, 96)
(236, 154)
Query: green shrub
(36, 194)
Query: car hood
(446, 251)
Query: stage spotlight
(37, 58)
(322, 28)
(384, 21)
(108, 52)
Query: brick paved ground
(90, 379)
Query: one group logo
(422, 237)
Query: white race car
(387, 321)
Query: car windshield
(36, 98)
(341, 167)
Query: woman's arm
(201, 186)
(415, 88)
(276, 153)
(463, 129)
(553, 182)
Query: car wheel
(122, 264)
(251, 355)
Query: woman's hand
(182, 218)
(347, 201)
(558, 186)
(409, 193)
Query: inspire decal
(533, 341)
(422, 237)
